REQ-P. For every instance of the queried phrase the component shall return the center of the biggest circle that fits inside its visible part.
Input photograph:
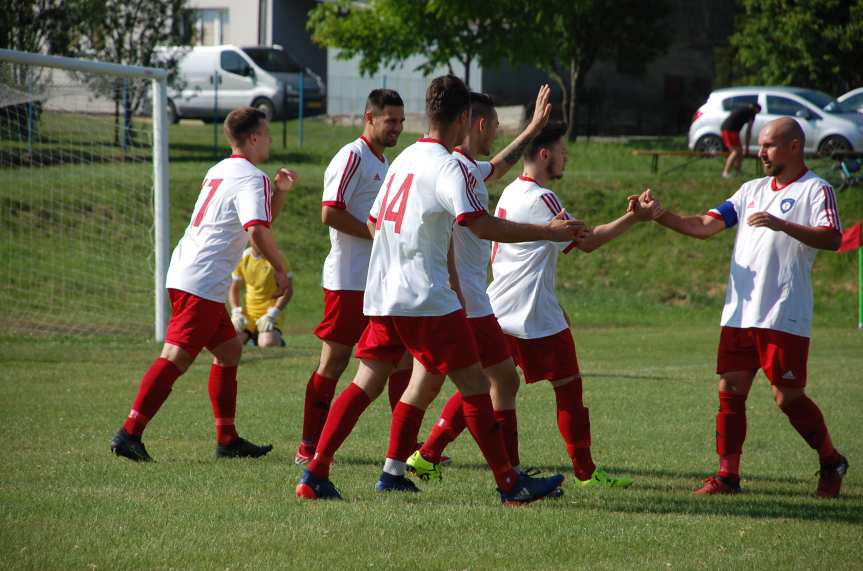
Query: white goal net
(81, 166)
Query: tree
(383, 33)
(807, 43)
(565, 38)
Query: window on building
(211, 27)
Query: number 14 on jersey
(394, 209)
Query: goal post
(36, 133)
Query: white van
(214, 80)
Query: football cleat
(422, 468)
(601, 479)
(304, 455)
(830, 478)
(242, 448)
(529, 489)
(129, 446)
(717, 485)
(311, 488)
(390, 483)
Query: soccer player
(471, 258)
(412, 308)
(351, 182)
(261, 318)
(236, 205)
(523, 297)
(784, 219)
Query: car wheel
(832, 144)
(709, 144)
(171, 112)
(265, 106)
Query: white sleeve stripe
(830, 206)
(471, 196)
(350, 168)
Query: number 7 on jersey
(395, 209)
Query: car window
(730, 103)
(783, 106)
(854, 102)
(233, 62)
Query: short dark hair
(242, 122)
(549, 135)
(380, 98)
(447, 97)
(481, 105)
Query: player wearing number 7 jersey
(412, 308)
(236, 204)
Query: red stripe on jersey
(334, 204)
(267, 198)
(470, 183)
(463, 153)
(372, 219)
(350, 168)
(368, 143)
(716, 215)
(251, 223)
(569, 247)
(463, 218)
(527, 179)
(491, 172)
(556, 202)
(546, 198)
(830, 206)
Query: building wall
(347, 89)
(289, 31)
(242, 19)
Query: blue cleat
(311, 488)
(390, 483)
(528, 490)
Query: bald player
(784, 219)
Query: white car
(828, 125)
(852, 100)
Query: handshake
(644, 206)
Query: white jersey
(426, 190)
(522, 292)
(471, 252)
(769, 285)
(351, 182)
(235, 195)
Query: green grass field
(645, 312)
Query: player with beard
(785, 218)
(412, 308)
(523, 295)
(351, 182)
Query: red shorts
(731, 138)
(489, 340)
(441, 343)
(197, 323)
(343, 320)
(782, 356)
(546, 358)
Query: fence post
(30, 112)
(125, 116)
(302, 103)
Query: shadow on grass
(588, 376)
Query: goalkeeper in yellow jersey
(261, 318)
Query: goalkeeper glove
(238, 319)
(268, 321)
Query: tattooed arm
(509, 156)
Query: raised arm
(344, 221)
(559, 229)
(284, 181)
(510, 155)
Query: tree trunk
(466, 63)
(571, 112)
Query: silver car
(828, 125)
(852, 100)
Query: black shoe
(242, 448)
(128, 446)
(390, 483)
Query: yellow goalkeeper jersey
(258, 276)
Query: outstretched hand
(541, 111)
(644, 206)
(285, 179)
(562, 228)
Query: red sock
(730, 433)
(319, 395)
(396, 386)
(347, 409)
(509, 430)
(222, 387)
(446, 429)
(806, 418)
(154, 390)
(479, 418)
(573, 422)
(404, 430)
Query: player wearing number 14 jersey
(236, 204)
(412, 308)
